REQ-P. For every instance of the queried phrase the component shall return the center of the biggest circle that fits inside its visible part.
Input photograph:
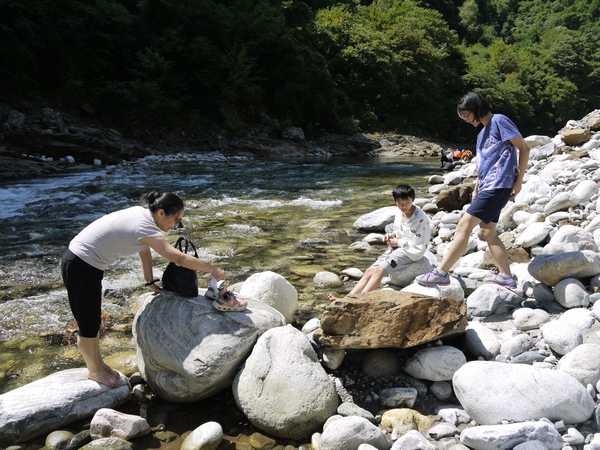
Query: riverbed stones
(492, 392)
(550, 269)
(390, 319)
(110, 423)
(350, 432)
(273, 290)
(282, 388)
(54, 401)
(501, 437)
(376, 220)
(435, 363)
(188, 351)
(207, 436)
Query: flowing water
(245, 216)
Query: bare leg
(460, 241)
(370, 281)
(97, 368)
(496, 246)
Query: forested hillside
(323, 65)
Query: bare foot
(112, 372)
(103, 378)
(331, 298)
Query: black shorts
(84, 288)
(488, 204)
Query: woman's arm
(524, 150)
(161, 246)
(146, 259)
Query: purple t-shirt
(497, 165)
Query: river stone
(583, 363)
(207, 436)
(491, 392)
(413, 440)
(533, 234)
(576, 136)
(490, 299)
(560, 202)
(435, 363)
(390, 319)
(273, 290)
(561, 337)
(501, 437)
(58, 440)
(376, 220)
(454, 290)
(480, 341)
(550, 269)
(188, 351)
(50, 403)
(110, 423)
(327, 280)
(282, 388)
(110, 443)
(529, 319)
(350, 432)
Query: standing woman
(499, 177)
(121, 233)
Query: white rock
(583, 363)
(60, 399)
(481, 341)
(501, 437)
(516, 345)
(273, 290)
(529, 319)
(435, 363)
(110, 423)
(490, 299)
(326, 280)
(413, 440)
(281, 377)
(533, 234)
(207, 436)
(350, 432)
(561, 337)
(570, 292)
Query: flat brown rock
(390, 319)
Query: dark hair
(403, 191)
(170, 203)
(474, 102)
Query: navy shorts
(84, 288)
(488, 204)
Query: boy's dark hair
(404, 192)
(474, 102)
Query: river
(244, 215)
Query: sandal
(229, 302)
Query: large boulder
(390, 319)
(282, 388)
(376, 220)
(491, 392)
(274, 290)
(53, 402)
(550, 269)
(188, 351)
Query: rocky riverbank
(42, 143)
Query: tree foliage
(320, 64)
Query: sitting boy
(406, 244)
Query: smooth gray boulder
(282, 388)
(188, 351)
(550, 269)
(501, 437)
(491, 392)
(52, 402)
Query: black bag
(179, 279)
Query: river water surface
(245, 216)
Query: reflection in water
(245, 216)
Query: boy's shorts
(488, 204)
(84, 289)
(393, 261)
